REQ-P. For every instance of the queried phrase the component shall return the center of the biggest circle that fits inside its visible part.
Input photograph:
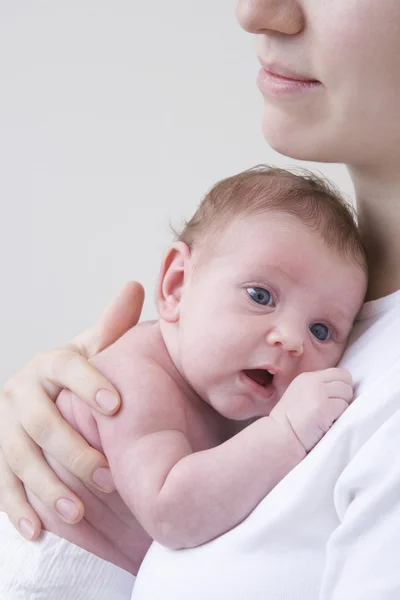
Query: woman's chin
(289, 143)
(292, 138)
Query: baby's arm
(182, 498)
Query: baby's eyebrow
(276, 269)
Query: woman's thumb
(121, 314)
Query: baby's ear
(174, 271)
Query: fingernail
(107, 400)
(103, 479)
(26, 528)
(67, 509)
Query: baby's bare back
(108, 528)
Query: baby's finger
(335, 408)
(14, 503)
(336, 374)
(340, 389)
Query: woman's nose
(289, 339)
(260, 16)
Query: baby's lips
(261, 376)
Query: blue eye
(261, 296)
(320, 331)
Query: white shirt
(331, 529)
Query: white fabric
(331, 529)
(54, 569)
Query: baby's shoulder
(139, 351)
(139, 366)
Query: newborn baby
(236, 382)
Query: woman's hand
(29, 420)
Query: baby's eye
(320, 331)
(261, 296)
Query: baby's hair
(308, 197)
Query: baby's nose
(289, 339)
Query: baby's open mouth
(261, 376)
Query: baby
(256, 300)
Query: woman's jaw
(306, 121)
(318, 117)
(330, 77)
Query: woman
(331, 84)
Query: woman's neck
(378, 208)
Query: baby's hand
(313, 402)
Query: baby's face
(270, 302)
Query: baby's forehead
(274, 237)
(292, 258)
(258, 237)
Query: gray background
(115, 118)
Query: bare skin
(64, 367)
(178, 463)
(329, 42)
(108, 528)
(306, 35)
(143, 444)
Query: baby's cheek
(323, 357)
(337, 354)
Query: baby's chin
(234, 408)
(239, 408)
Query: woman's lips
(271, 83)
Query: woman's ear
(174, 271)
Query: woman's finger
(41, 422)
(122, 313)
(66, 368)
(37, 475)
(13, 501)
(30, 395)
